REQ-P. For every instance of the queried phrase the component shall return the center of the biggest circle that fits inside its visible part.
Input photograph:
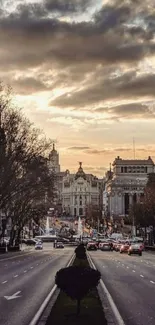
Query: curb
(112, 313)
(43, 312)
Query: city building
(53, 161)
(79, 191)
(125, 185)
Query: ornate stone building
(74, 192)
(79, 190)
(125, 185)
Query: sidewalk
(25, 249)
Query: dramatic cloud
(83, 69)
(128, 85)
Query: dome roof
(80, 172)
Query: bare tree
(24, 174)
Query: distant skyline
(84, 72)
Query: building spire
(80, 163)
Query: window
(121, 169)
(80, 212)
(125, 169)
(146, 170)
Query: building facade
(79, 191)
(125, 185)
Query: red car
(118, 246)
(124, 248)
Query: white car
(39, 245)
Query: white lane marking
(14, 296)
(114, 308)
(15, 276)
(31, 267)
(152, 282)
(25, 271)
(127, 267)
(142, 276)
(4, 282)
(133, 271)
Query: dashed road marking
(127, 267)
(4, 282)
(142, 276)
(25, 271)
(15, 276)
(133, 271)
(152, 282)
(31, 267)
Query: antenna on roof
(134, 150)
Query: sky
(84, 72)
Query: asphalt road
(25, 281)
(131, 283)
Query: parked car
(124, 248)
(38, 245)
(135, 249)
(92, 246)
(59, 245)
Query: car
(59, 245)
(39, 246)
(135, 249)
(92, 246)
(105, 246)
(118, 245)
(124, 248)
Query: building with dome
(74, 192)
(79, 191)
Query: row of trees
(24, 175)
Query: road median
(61, 309)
